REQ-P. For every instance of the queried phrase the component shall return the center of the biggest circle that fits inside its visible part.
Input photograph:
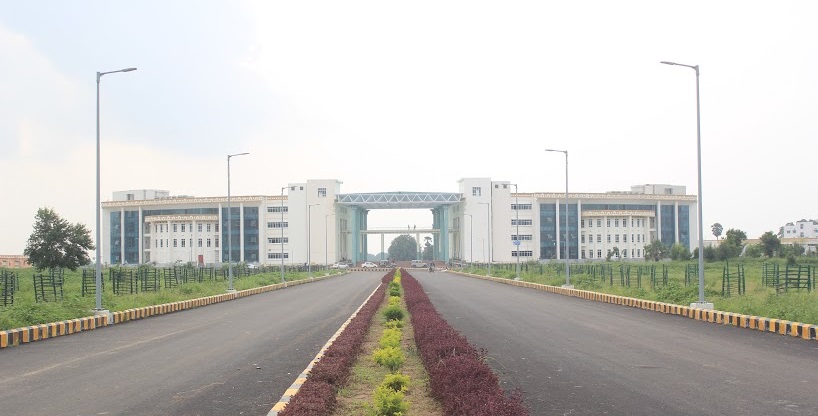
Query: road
(230, 358)
(576, 357)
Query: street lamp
(230, 226)
(281, 225)
(488, 228)
(98, 208)
(309, 239)
(567, 247)
(517, 238)
(701, 303)
(471, 237)
(326, 240)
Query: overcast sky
(408, 96)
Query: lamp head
(129, 69)
(668, 63)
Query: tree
(403, 247)
(716, 229)
(769, 243)
(679, 252)
(56, 243)
(428, 252)
(655, 250)
(735, 237)
(753, 251)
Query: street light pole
(488, 228)
(281, 225)
(567, 248)
(309, 239)
(471, 238)
(701, 303)
(326, 240)
(98, 208)
(230, 226)
(517, 220)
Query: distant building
(800, 229)
(314, 222)
(13, 261)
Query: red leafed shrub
(458, 377)
(316, 397)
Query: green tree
(753, 251)
(428, 249)
(770, 243)
(56, 243)
(716, 229)
(679, 252)
(403, 247)
(735, 237)
(655, 250)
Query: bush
(393, 313)
(389, 357)
(389, 402)
(396, 382)
(394, 300)
(390, 338)
(393, 324)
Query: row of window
(635, 253)
(635, 238)
(277, 208)
(521, 207)
(520, 222)
(522, 237)
(272, 256)
(160, 228)
(277, 224)
(160, 243)
(635, 222)
(523, 253)
(278, 240)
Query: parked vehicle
(419, 263)
(369, 265)
(339, 265)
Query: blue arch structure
(360, 204)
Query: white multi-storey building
(314, 222)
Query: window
(322, 192)
(200, 242)
(599, 238)
(217, 243)
(217, 227)
(582, 238)
(590, 254)
(638, 252)
(183, 242)
(522, 237)
(608, 222)
(129, 197)
(174, 228)
(276, 224)
(802, 226)
(624, 238)
(174, 242)
(624, 253)
(521, 222)
(277, 255)
(292, 188)
(208, 243)
(200, 230)
(616, 222)
(208, 227)
(599, 254)
(278, 240)
(523, 253)
(616, 238)
(476, 191)
(300, 188)
(668, 191)
(183, 228)
(638, 238)
(582, 224)
(277, 208)
(520, 207)
(633, 240)
(599, 222)
(161, 243)
(609, 238)
(583, 254)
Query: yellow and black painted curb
(19, 336)
(299, 381)
(759, 323)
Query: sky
(409, 96)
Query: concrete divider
(778, 326)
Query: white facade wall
(801, 229)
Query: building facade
(13, 261)
(313, 222)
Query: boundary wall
(759, 323)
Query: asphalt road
(231, 358)
(575, 357)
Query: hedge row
(317, 396)
(458, 377)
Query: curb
(759, 323)
(293, 389)
(18, 336)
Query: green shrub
(390, 338)
(394, 300)
(389, 402)
(389, 357)
(393, 313)
(393, 324)
(396, 382)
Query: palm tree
(716, 229)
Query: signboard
(516, 242)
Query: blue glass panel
(548, 231)
(130, 238)
(234, 232)
(668, 231)
(116, 229)
(251, 234)
(684, 226)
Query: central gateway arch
(358, 206)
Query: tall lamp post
(281, 225)
(230, 226)
(488, 228)
(326, 240)
(701, 303)
(97, 209)
(309, 239)
(471, 238)
(567, 247)
(517, 221)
